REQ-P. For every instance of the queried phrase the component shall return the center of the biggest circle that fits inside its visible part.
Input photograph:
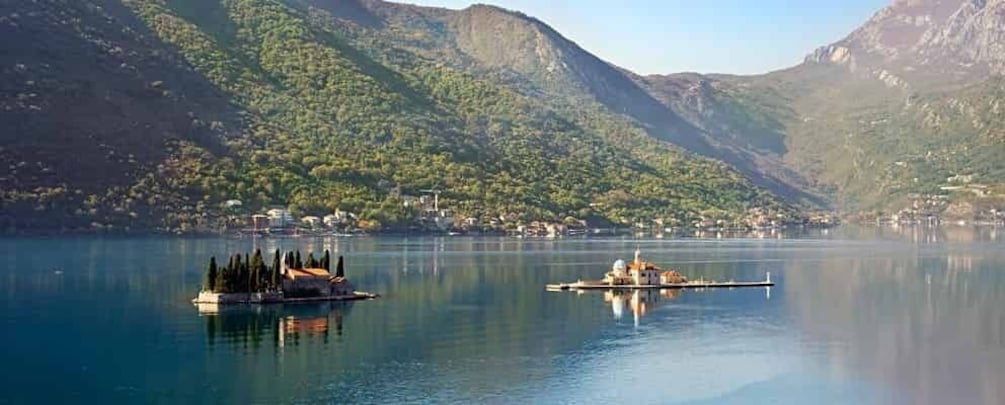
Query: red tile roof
(309, 273)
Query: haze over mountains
(170, 107)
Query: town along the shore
(289, 278)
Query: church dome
(619, 267)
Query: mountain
(925, 43)
(528, 56)
(152, 114)
(883, 119)
(92, 106)
(903, 103)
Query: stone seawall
(206, 297)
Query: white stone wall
(206, 297)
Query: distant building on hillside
(339, 218)
(259, 221)
(279, 217)
(310, 221)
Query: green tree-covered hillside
(180, 105)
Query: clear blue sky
(705, 36)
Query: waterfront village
(960, 200)
(431, 217)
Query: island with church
(247, 279)
(642, 275)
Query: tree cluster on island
(250, 273)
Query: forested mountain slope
(529, 57)
(149, 114)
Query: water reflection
(923, 234)
(638, 301)
(276, 325)
(930, 327)
(885, 312)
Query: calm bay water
(858, 316)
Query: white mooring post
(768, 280)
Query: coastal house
(259, 221)
(339, 217)
(556, 230)
(279, 217)
(310, 221)
(672, 277)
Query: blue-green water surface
(858, 316)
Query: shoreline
(682, 233)
(273, 298)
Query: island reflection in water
(643, 301)
(637, 301)
(255, 326)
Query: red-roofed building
(314, 282)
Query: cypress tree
(221, 282)
(228, 276)
(235, 273)
(256, 271)
(339, 270)
(274, 282)
(210, 283)
(232, 273)
(326, 262)
(297, 264)
(247, 273)
(239, 278)
(225, 275)
(311, 262)
(263, 274)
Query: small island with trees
(247, 279)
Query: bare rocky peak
(503, 38)
(911, 42)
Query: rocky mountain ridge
(925, 43)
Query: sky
(705, 36)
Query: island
(248, 280)
(642, 275)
